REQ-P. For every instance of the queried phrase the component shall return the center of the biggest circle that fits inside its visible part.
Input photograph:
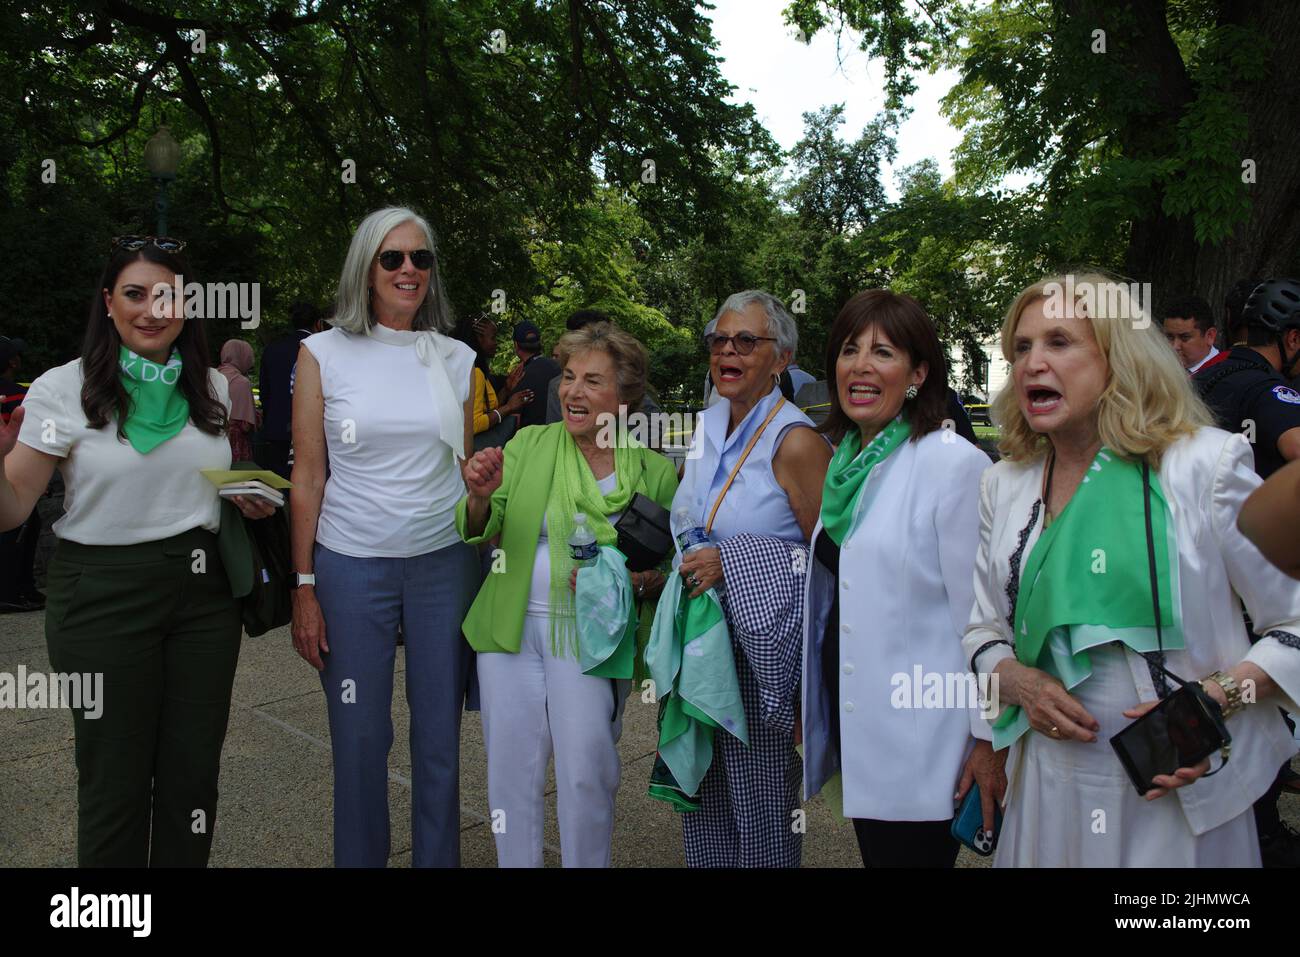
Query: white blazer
(1206, 478)
(905, 597)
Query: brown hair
(628, 355)
(905, 324)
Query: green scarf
(158, 410)
(1087, 581)
(574, 489)
(848, 471)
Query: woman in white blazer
(1095, 394)
(888, 700)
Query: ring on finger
(1054, 732)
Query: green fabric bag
(690, 661)
(607, 618)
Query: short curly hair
(628, 355)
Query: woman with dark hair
(890, 592)
(481, 336)
(130, 424)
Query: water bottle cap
(580, 518)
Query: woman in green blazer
(535, 699)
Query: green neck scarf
(158, 410)
(574, 489)
(1087, 582)
(848, 471)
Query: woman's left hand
(702, 570)
(986, 768)
(1164, 783)
(253, 507)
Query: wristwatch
(299, 579)
(1230, 690)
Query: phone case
(968, 824)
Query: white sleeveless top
(755, 503)
(393, 483)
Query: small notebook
(222, 477)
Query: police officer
(1247, 387)
(1247, 392)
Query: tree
(1160, 131)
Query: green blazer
(496, 619)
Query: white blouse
(393, 483)
(113, 494)
(1205, 477)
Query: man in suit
(278, 360)
(1189, 327)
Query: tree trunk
(1164, 252)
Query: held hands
(483, 473)
(702, 570)
(1182, 776)
(986, 768)
(516, 402)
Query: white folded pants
(535, 704)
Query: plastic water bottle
(690, 535)
(582, 543)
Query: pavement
(276, 799)
(276, 781)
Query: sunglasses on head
(391, 259)
(134, 243)
(743, 342)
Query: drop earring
(911, 392)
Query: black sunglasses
(744, 342)
(391, 259)
(134, 243)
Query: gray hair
(352, 312)
(780, 324)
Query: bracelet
(1230, 689)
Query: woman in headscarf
(236, 360)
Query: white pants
(535, 704)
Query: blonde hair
(1148, 403)
(628, 355)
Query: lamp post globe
(162, 154)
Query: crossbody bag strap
(708, 527)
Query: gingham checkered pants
(749, 795)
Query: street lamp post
(162, 155)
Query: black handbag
(1187, 726)
(645, 534)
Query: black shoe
(19, 605)
(1281, 848)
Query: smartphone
(968, 824)
(1181, 731)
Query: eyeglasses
(743, 342)
(392, 259)
(134, 243)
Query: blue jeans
(363, 600)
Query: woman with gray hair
(384, 397)
(753, 482)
